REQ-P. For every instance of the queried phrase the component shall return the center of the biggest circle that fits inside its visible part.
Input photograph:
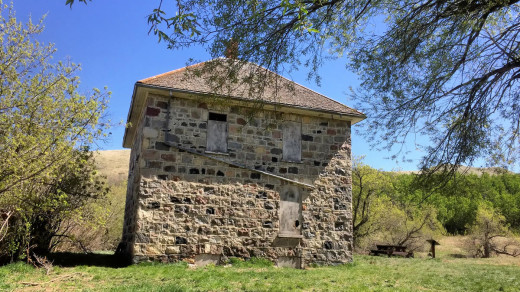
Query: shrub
(490, 235)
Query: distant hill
(471, 170)
(113, 164)
(480, 171)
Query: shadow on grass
(458, 256)
(70, 259)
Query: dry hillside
(113, 164)
(469, 170)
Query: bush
(101, 227)
(50, 212)
(397, 224)
(490, 235)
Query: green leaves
(44, 122)
(490, 235)
(184, 24)
(440, 69)
(388, 206)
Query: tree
(490, 235)
(384, 210)
(408, 225)
(368, 187)
(50, 212)
(445, 69)
(43, 118)
(458, 201)
(44, 122)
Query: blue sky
(110, 40)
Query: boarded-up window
(216, 138)
(292, 142)
(290, 212)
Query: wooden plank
(391, 247)
(216, 140)
(292, 142)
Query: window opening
(217, 117)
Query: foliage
(457, 203)
(408, 225)
(105, 232)
(101, 226)
(383, 210)
(50, 212)
(380, 198)
(45, 125)
(448, 70)
(368, 273)
(490, 235)
(368, 187)
(445, 69)
(398, 224)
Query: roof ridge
(301, 96)
(305, 87)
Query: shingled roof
(277, 89)
(230, 78)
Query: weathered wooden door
(290, 212)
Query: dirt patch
(452, 250)
(56, 281)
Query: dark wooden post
(433, 243)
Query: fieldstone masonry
(185, 202)
(182, 202)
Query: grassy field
(451, 271)
(366, 273)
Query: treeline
(394, 208)
(457, 201)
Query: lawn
(366, 273)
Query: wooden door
(290, 212)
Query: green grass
(365, 274)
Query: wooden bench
(391, 250)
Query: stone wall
(327, 213)
(256, 143)
(132, 193)
(193, 203)
(180, 219)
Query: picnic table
(391, 250)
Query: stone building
(226, 171)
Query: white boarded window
(292, 141)
(216, 138)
